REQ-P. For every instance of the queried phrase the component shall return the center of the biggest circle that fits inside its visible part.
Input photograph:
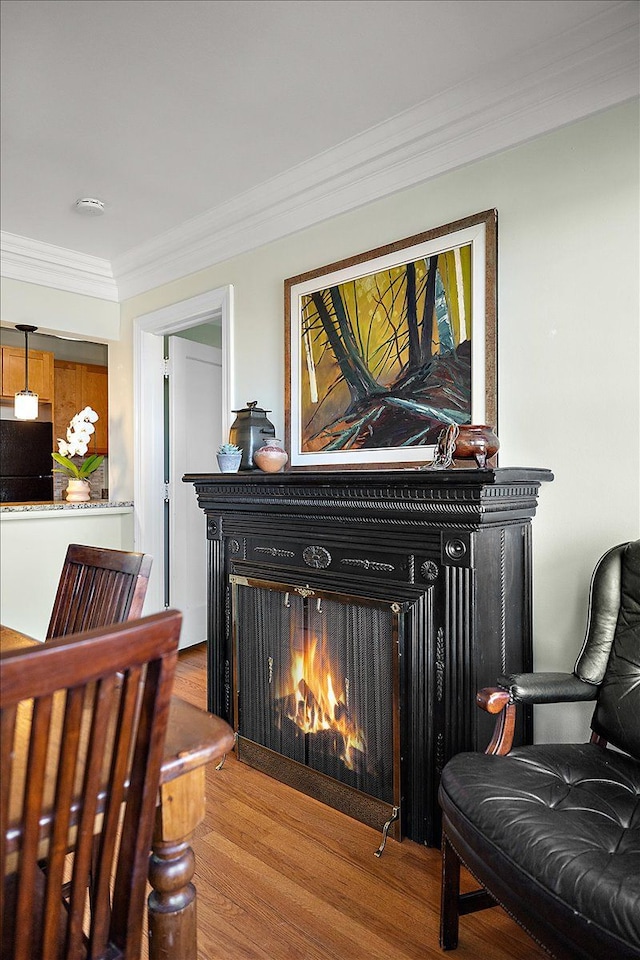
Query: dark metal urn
(249, 431)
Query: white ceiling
(180, 115)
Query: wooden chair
(83, 725)
(98, 587)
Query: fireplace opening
(316, 681)
(319, 705)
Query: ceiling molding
(591, 68)
(47, 265)
(580, 72)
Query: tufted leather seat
(552, 831)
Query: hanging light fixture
(25, 405)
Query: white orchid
(81, 426)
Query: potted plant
(76, 445)
(229, 457)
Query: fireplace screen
(316, 681)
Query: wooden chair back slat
(98, 587)
(69, 749)
(33, 797)
(90, 792)
(118, 777)
(90, 713)
(7, 734)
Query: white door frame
(148, 428)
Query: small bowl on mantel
(476, 441)
(271, 457)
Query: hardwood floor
(283, 877)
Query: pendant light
(26, 402)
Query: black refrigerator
(26, 465)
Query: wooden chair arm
(492, 699)
(498, 702)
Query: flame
(313, 704)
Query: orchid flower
(81, 426)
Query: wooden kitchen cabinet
(80, 385)
(68, 380)
(95, 394)
(41, 375)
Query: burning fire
(313, 705)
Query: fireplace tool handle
(385, 830)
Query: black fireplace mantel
(470, 496)
(451, 548)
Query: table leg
(172, 901)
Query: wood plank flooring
(283, 877)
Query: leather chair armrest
(527, 688)
(547, 688)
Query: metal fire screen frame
(362, 806)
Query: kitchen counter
(42, 506)
(34, 538)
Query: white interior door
(195, 432)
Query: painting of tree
(385, 355)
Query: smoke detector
(90, 206)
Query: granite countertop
(62, 505)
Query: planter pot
(229, 462)
(78, 491)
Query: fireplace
(352, 617)
(317, 703)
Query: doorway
(151, 490)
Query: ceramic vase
(78, 491)
(476, 441)
(271, 456)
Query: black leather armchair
(552, 831)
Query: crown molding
(586, 70)
(47, 265)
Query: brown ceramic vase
(476, 441)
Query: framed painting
(386, 349)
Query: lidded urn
(249, 431)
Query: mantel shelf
(462, 496)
